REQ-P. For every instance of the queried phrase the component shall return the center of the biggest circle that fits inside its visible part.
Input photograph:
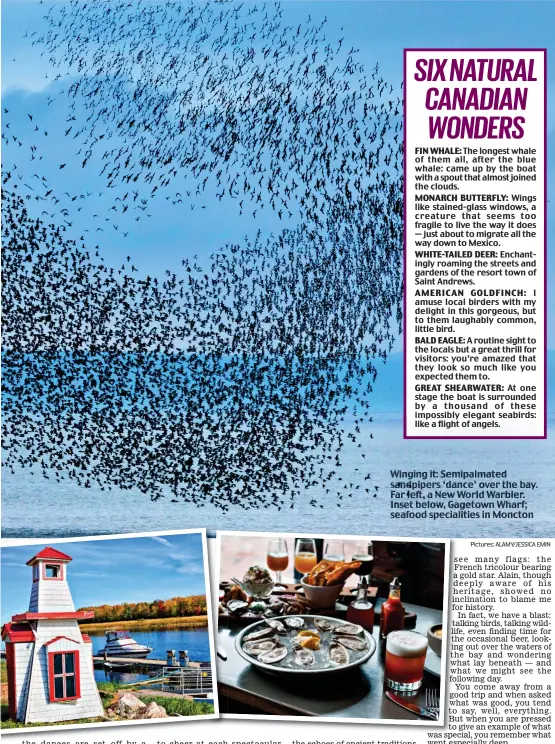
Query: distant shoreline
(195, 621)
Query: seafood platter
(305, 644)
(255, 595)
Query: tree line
(174, 607)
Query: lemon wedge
(309, 639)
(312, 643)
(308, 634)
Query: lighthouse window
(64, 675)
(52, 571)
(59, 687)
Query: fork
(432, 700)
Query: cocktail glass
(305, 555)
(405, 655)
(277, 557)
(334, 551)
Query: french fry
(316, 576)
(341, 573)
(327, 573)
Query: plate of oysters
(305, 644)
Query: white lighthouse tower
(49, 660)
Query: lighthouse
(49, 661)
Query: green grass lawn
(180, 706)
(173, 706)
(9, 724)
(107, 691)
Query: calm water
(62, 510)
(194, 640)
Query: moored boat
(120, 643)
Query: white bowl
(321, 596)
(435, 642)
(258, 589)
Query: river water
(194, 640)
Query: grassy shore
(196, 621)
(173, 706)
(3, 683)
(7, 723)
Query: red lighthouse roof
(17, 633)
(49, 554)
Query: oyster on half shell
(324, 625)
(293, 622)
(237, 607)
(338, 653)
(258, 635)
(278, 626)
(272, 657)
(356, 644)
(348, 629)
(303, 656)
(255, 648)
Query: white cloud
(162, 541)
(190, 568)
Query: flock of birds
(235, 383)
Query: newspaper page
(277, 372)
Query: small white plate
(433, 663)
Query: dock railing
(187, 680)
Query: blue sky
(111, 571)
(380, 30)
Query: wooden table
(358, 694)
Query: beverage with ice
(405, 655)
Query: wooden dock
(195, 679)
(120, 662)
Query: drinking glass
(277, 557)
(334, 551)
(405, 655)
(305, 555)
(363, 552)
